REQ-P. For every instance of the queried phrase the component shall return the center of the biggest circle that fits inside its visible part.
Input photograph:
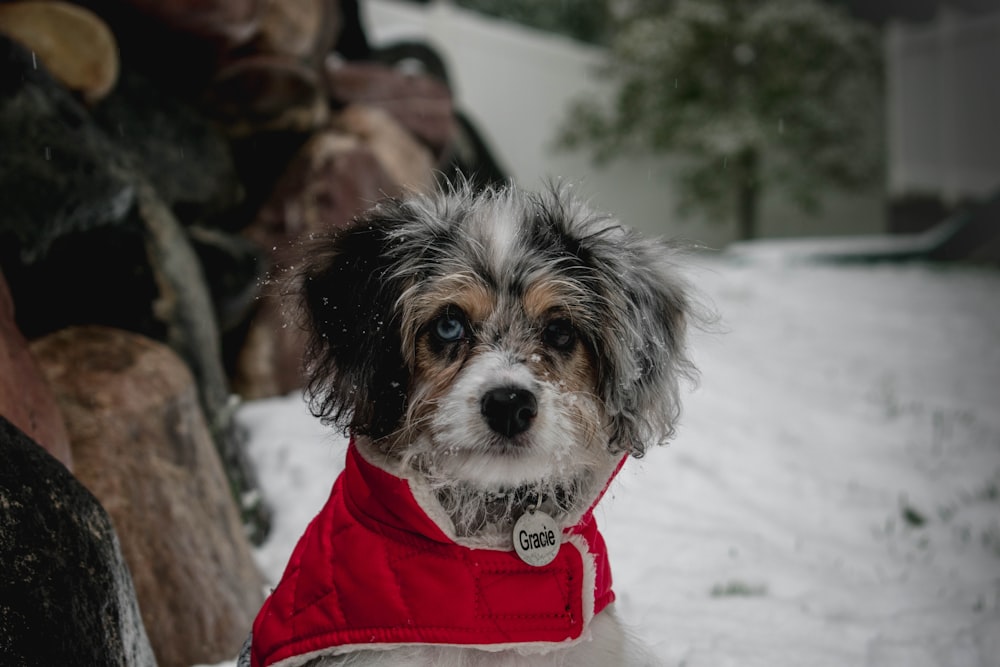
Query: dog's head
(504, 340)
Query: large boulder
(91, 240)
(419, 102)
(70, 238)
(269, 358)
(304, 29)
(141, 445)
(407, 162)
(185, 305)
(227, 22)
(267, 93)
(234, 268)
(66, 597)
(61, 170)
(184, 155)
(330, 180)
(72, 42)
(25, 397)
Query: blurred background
(906, 97)
(836, 162)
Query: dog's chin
(485, 488)
(493, 462)
(502, 464)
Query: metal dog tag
(537, 538)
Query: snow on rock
(832, 496)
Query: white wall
(944, 106)
(516, 83)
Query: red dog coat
(373, 571)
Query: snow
(865, 248)
(832, 497)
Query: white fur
(609, 645)
(556, 446)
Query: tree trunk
(747, 192)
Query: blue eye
(448, 328)
(559, 334)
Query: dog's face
(502, 385)
(507, 342)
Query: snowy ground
(833, 495)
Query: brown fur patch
(547, 300)
(464, 291)
(545, 296)
(432, 378)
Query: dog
(495, 356)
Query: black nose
(509, 410)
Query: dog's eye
(448, 328)
(559, 334)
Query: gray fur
(634, 302)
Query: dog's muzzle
(509, 410)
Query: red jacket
(373, 570)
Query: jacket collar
(398, 499)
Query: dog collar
(374, 571)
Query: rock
(178, 44)
(106, 250)
(461, 150)
(141, 445)
(303, 29)
(100, 276)
(185, 156)
(262, 159)
(185, 306)
(228, 22)
(66, 596)
(72, 42)
(267, 93)
(412, 56)
(406, 161)
(144, 276)
(420, 103)
(183, 302)
(51, 145)
(25, 397)
(270, 357)
(234, 268)
(140, 274)
(352, 42)
(331, 179)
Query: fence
(944, 106)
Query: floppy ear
(643, 354)
(357, 378)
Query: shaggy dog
(495, 357)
